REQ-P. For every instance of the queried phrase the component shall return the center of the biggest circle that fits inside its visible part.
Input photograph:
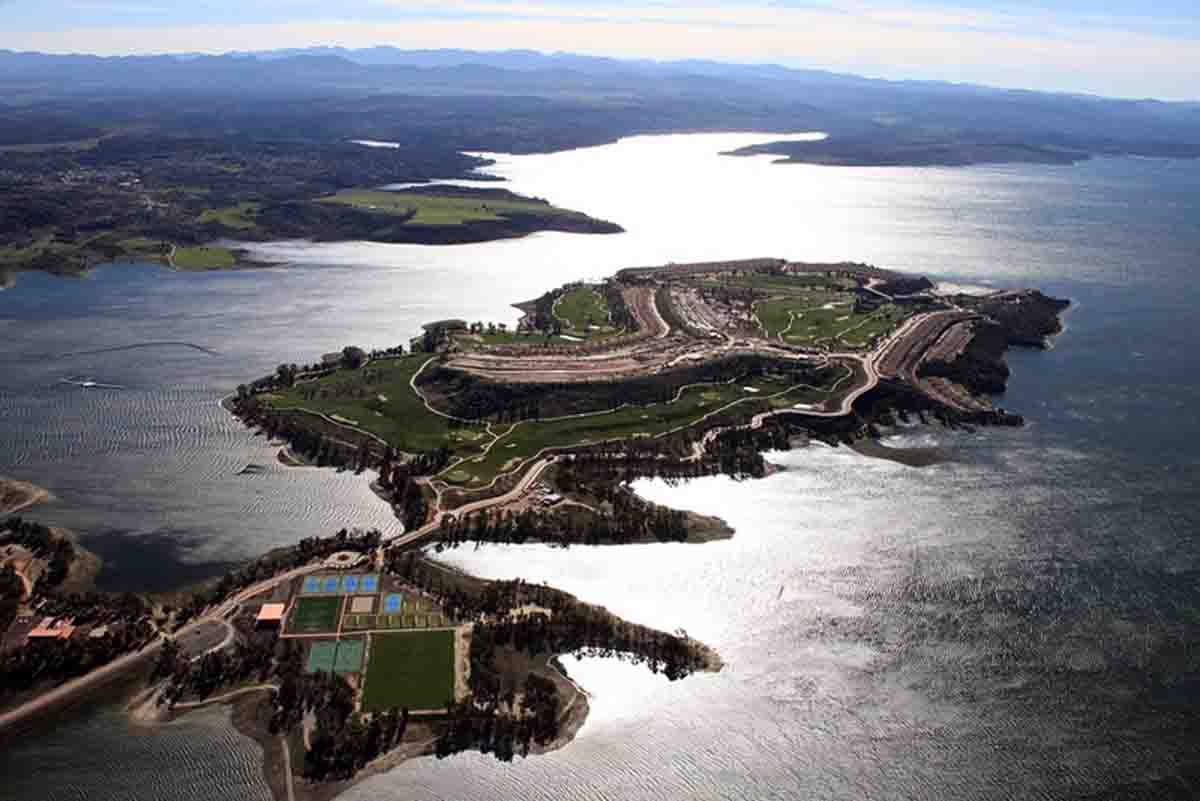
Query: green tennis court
(321, 656)
(349, 656)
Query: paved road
(207, 635)
(199, 630)
(520, 489)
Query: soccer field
(312, 615)
(413, 670)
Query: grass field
(313, 615)
(401, 419)
(240, 216)
(526, 439)
(204, 258)
(582, 310)
(440, 209)
(413, 670)
(817, 320)
(380, 399)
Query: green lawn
(239, 216)
(439, 209)
(313, 615)
(801, 321)
(526, 439)
(380, 399)
(582, 310)
(411, 669)
(204, 258)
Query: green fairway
(204, 258)
(240, 216)
(413, 670)
(381, 399)
(313, 615)
(440, 209)
(819, 320)
(583, 312)
(526, 439)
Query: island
(345, 655)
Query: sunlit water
(1014, 623)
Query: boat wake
(87, 383)
(117, 349)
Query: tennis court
(321, 657)
(393, 604)
(345, 585)
(349, 656)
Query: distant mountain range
(646, 96)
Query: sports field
(340, 585)
(313, 615)
(321, 656)
(413, 670)
(340, 657)
(349, 656)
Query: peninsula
(479, 432)
(345, 655)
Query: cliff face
(980, 367)
(1027, 318)
(1013, 319)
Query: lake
(1016, 622)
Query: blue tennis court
(330, 584)
(393, 604)
(368, 583)
(350, 584)
(312, 584)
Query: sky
(1120, 48)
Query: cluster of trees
(251, 659)
(407, 496)
(488, 328)
(351, 357)
(625, 518)
(54, 661)
(618, 311)
(343, 742)
(279, 561)
(570, 627)
(539, 315)
(12, 590)
(59, 552)
(478, 724)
